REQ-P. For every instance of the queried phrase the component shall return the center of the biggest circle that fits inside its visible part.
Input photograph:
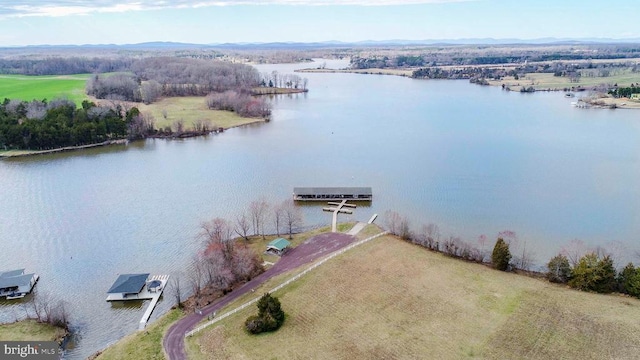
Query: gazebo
(278, 246)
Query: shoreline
(23, 153)
(10, 154)
(276, 91)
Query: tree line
(576, 265)
(44, 125)
(620, 92)
(64, 66)
(226, 259)
(227, 85)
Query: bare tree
(392, 221)
(292, 216)
(258, 211)
(178, 126)
(278, 216)
(574, 251)
(242, 226)
(525, 258)
(177, 290)
(482, 241)
(196, 277)
(216, 231)
(432, 232)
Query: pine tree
(501, 255)
(270, 315)
(559, 269)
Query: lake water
(473, 160)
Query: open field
(28, 88)
(190, 109)
(390, 299)
(544, 81)
(26, 330)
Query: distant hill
(337, 44)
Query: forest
(44, 125)
(155, 77)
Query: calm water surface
(474, 160)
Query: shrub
(629, 280)
(254, 324)
(559, 269)
(593, 274)
(270, 316)
(501, 255)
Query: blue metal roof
(128, 284)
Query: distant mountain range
(334, 43)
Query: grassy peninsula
(29, 329)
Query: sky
(57, 22)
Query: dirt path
(307, 252)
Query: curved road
(309, 251)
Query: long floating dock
(332, 193)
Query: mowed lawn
(389, 299)
(28, 88)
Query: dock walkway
(155, 296)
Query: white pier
(338, 208)
(154, 300)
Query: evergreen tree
(559, 269)
(593, 274)
(629, 280)
(270, 316)
(501, 255)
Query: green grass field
(28, 88)
(389, 299)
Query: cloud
(56, 8)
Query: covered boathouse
(332, 193)
(15, 284)
(127, 287)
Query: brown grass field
(28, 330)
(544, 81)
(190, 109)
(389, 299)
